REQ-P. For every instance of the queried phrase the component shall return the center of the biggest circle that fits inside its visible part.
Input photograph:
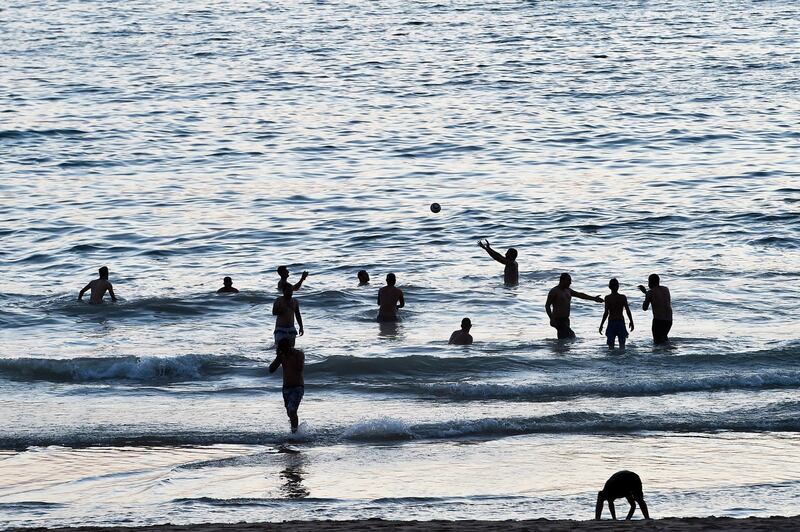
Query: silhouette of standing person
(659, 297)
(511, 271)
(390, 299)
(286, 308)
(99, 287)
(293, 360)
(283, 272)
(227, 287)
(621, 484)
(558, 304)
(615, 304)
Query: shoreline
(545, 525)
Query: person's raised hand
(599, 299)
(643, 289)
(304, 275)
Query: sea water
(178, 143)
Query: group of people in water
(286, 310)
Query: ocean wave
(130, 368)
(777, 418)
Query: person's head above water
(466, 324)
(227, 281)
(613, 284)
(511, 254)
(654, 280)
(283, 271)
(363, 277)
(103, 272)
(565, 280)
(391, 280)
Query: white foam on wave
(384, 428)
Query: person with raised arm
(390, 300)
(558, 304)
(287, 308)
(621, 484)
(283, 272)
(660, 298)
(99, 287)
(511, 271)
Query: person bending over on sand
(283, 271)
(390, 299)
(98, 288)
(621, 484)
(287, 308)
(615, 304)
(292, 361)
(227, 287)
(558, 305)
(659, 297)
(363, 278)
(511, 272)
(462, 336)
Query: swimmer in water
(293, 360)
(227, 287)
(283, 272)
(363, 278)
(99, 287)
(615, 304)
(511, 271)
(390, 299)
(659, 297)
(621, 484)
(462, 336)
(286, 308)
(558, 304)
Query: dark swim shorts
(292, 395)
(616, 328)
(661, 330)
(562, 326)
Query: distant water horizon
(180, 144)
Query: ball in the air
(435, 207)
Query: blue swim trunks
(616, 328)
(292, 395)
(285, 332)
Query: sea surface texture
(181, 142)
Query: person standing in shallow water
(621, 484)
(462, 336)
(390, 300)
(286, 308)
(293, 360)
(615, 304)
(659, 297)
(99, 287)
(558, 304)
(227, 287)
(511, 271)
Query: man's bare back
(561, 299)
(293, 361)
(661, 301)
(98, 288)
(615, 304)
(388, 299)
(285, 310)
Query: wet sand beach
(544, 525)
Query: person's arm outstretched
(83, 290)
(581, 295)
(605, 317)
(276, 363)
(630, 316)
(296, 286)
(647, 294)
(298, 316)
(492, 253)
